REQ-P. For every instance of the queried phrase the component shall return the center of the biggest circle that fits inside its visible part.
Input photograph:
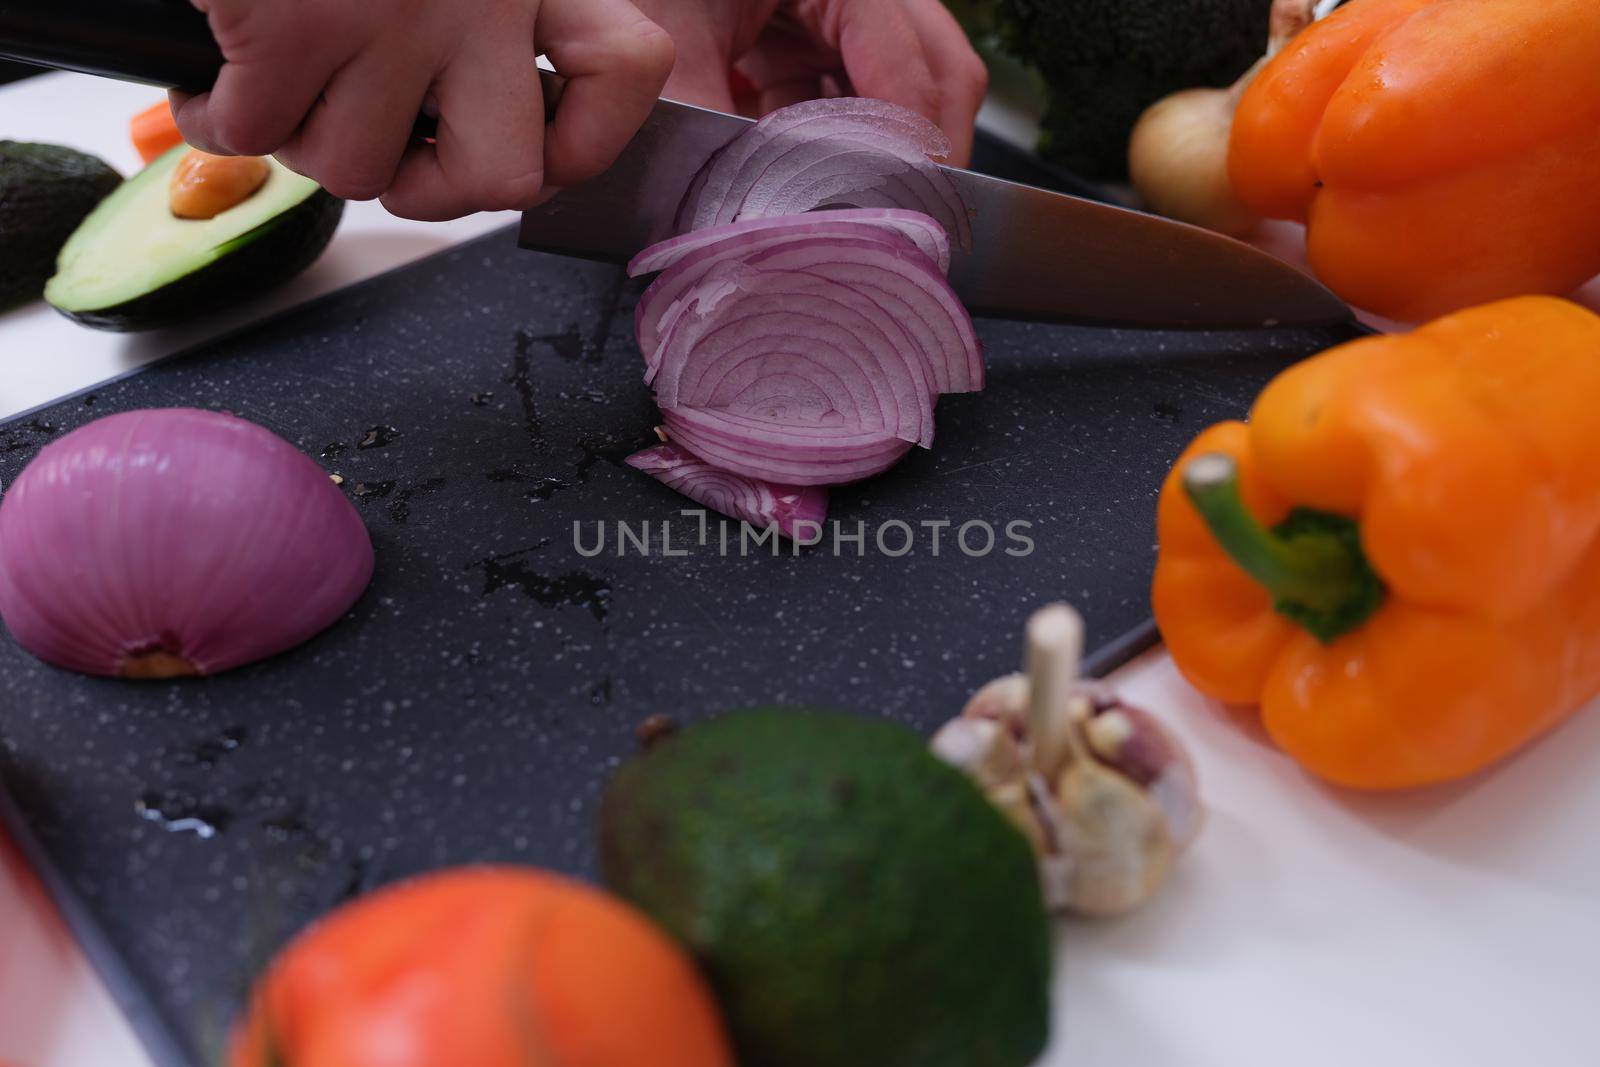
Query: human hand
(332, 87)
(910, 52)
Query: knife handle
(167, 43)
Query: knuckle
(973, 72)
(653, 48)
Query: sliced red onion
(156, 544)
(914, 226)
(793, 455)
(880, 270)
(759, 503)
(790, 348)
(847, 151)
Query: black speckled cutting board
(477, 405)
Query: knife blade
(1035, 254)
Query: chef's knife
(1035, 254)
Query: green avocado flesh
(45, 192)
(853, 901)
(134, 265)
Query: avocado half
(133, 265)
(46, 190)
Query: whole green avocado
(1105, 61)
(45, 191)
(854, 901)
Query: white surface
(1307, 927)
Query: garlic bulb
(1102, 790)
(174, 542)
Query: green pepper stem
(1312, 564)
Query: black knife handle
(159, 42)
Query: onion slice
(843, 151)
(795, 349)
(792, 455)
(882, 270)
(759, 503)
(921, 230)
(155, 544)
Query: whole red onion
(172, 542)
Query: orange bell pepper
(1398, 558)
(1443, 153)
(487, 967)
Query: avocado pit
(203, 186)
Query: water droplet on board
(568, 589)
(208, 751)
(285, 828)
(334, 450)
(181, 813)
(1169, 412)
(521, 379)
(400, 510)
(545, 488)
(481, 400)
(598, 447)
(600, 692)
(365, 491)
(377, 436)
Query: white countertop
(1307, 927)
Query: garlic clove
(1134, 743)
(1116, 837)
(983, 748)
(1004, 699)
(1015, 804)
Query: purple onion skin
(797, 510)
(175, 542)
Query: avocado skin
(45, 192)
(854, 901)
(269, 255)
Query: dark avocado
(133, 265)
(854, 901)
(45, 192)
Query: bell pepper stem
(1312, 564)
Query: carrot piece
(154, 131)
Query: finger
(489, 152)
(787, 53)
(616, 62)
(352, 142)
(794, 91)
(883, 56)
(267, 85)
(957, 70)
(700, 72)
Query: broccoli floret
(1105, 61)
